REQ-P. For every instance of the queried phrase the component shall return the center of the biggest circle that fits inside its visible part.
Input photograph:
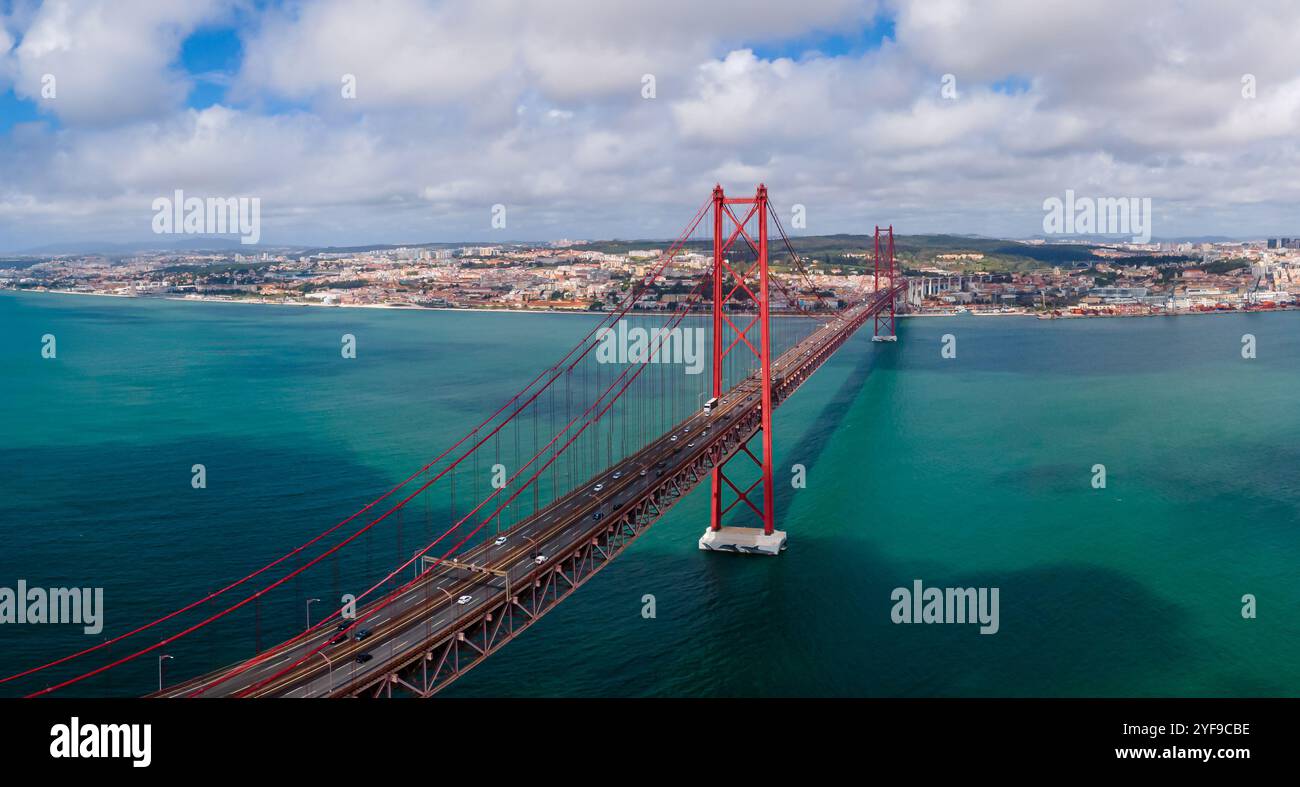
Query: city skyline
(416, 125)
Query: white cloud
(538, 106)
(111, 61)
(400, 51)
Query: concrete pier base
(749, 540)
(884, 338)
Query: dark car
(364, 657)
(597, 515)
(362, 634)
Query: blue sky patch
(211, 56)
(838, 43)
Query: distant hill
(820, 250)
(309, 250)
(1123, 238)
(163, 243)
(910, 250)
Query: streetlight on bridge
(160, 670)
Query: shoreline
(1050, 318)
(384, 306)
(501, 310)
(305, 304)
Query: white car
(672, 439)
(618, 475)
(500, 540)
(464, 599)
(540, 559)
(642, 473)
(598, 487)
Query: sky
(936, 116)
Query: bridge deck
(431, 626)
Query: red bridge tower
(885, 265)
(753, 282)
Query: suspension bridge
(543, 493)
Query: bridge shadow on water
(812, 443)
(1064, 629)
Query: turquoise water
(973, 471)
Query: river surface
(971, 471)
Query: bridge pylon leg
(719, 205)
(766, 540)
